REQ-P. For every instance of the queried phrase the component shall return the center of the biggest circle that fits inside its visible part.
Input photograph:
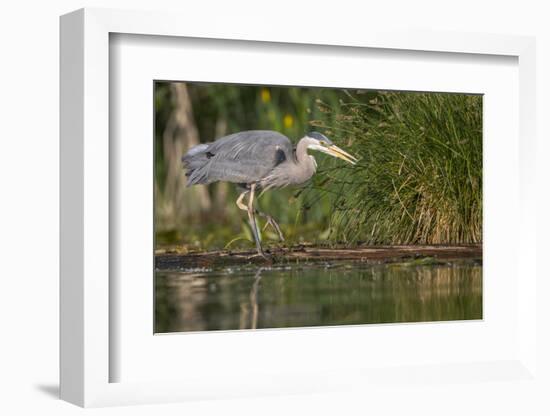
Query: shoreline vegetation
(418, 181)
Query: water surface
(316, 294)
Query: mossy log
(428, 254)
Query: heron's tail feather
(200, 148)
(195, 162)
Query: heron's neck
(301, 150)
(305, 163)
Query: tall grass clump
(419, 179)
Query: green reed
(419, 178)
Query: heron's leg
(240, 201)
(271, 221)
(252, 220)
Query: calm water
(312, 295)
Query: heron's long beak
(335, 151)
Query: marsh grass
(419, 179)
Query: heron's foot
(262, 254)
(271, 221)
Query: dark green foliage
(419, 179)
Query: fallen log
(302, 254)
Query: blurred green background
(419, 179)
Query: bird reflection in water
(313, 295)
(249, 311)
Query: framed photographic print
(379, 239)
(271, 214)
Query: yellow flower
(265, 95)
(288, 121)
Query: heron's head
(318, 141)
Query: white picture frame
(86, 356)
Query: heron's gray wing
(243, 157)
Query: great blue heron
(258, 160)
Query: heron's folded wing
(246, 157)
